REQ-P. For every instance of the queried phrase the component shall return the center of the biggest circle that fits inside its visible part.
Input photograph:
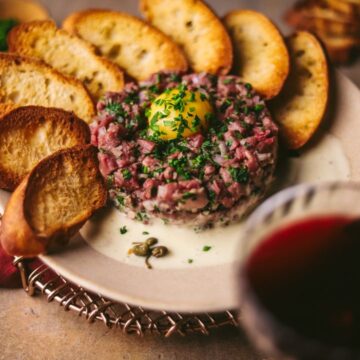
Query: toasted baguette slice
(302, 103)
(316, 17)
(6, 108)
(68, 54)
(350, 8)
(29, 134)
(196, 28)
(27, 81)
(341, 49)
(22, 10)
(261, 56)
(138, 48)
(53, 202)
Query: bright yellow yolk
(179, 113)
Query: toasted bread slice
(350, 8)
(29, 134)
(6, 108)
(196, 28)
(138, 48)
(26, 81)
(302, 103)
(68, 54)
(53, 202)
(341, 49)
(22, 10)
(261, 56)
(321, 18)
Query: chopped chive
(206, 248)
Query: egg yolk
(179, 113)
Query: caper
(141, 250)
(151, 241)
(159, 251)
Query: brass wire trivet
(129, 319)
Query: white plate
(101, 264)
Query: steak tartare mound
(191, 149)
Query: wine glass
(275, 296)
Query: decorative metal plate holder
(130, 319)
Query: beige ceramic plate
(101, 264)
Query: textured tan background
(34, 330)
(31, 329)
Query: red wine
(307, 275)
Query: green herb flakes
(126, 174)
(259, 107)
(115, 109)
(206, 248)
(141, 216)
(228, 81)
(123, 230)
(121, 200)
(240, 175)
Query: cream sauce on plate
(324, 161)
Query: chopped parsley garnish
(199, 161)
(115, 109)
(126, 174)
(141, 216)
(182, 125)
(131, 99)
(259, 107)
(238, 134)
(123, 230)
(246, 110)
(195, 123)
(109, 180)
(189, 195)
(206, 248)
(154, 89)
(206, 145)
(228, 81)
(210, 118)
(248, 86)
(145, 233)
(175, 77)
(181, 166)
(211, 195)
(225, 105)
(190, 261)
(121, 200)
(240, 175)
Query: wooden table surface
(32, 329)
